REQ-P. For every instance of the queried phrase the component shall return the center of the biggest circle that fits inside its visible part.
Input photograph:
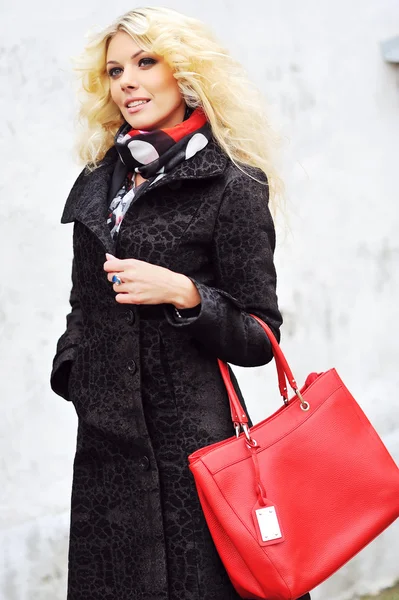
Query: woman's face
(136, 75)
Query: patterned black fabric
(146, 387)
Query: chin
(144, 122)
(137, 123)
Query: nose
(128, 80)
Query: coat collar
(87, 201)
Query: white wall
(336, 101)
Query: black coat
(146, 385)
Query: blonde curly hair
(207, 77)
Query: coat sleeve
(67, 344)
(243, 248)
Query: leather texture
(333, 483)
(146, 386)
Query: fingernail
(109, 256)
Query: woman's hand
(144, 283)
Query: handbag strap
(238, 414)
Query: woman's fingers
(122, 288)
(119, 274)
(125, 298)
(117, 264)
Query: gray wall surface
(336, 103)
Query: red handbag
(294, 498)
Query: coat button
(130, 317)
(144, 463)
(131, 366)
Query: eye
(146, 62)
(112, 72)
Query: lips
(131, 100)
(137, 108)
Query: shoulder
(218, 162)
(245, 175)
(245, 189)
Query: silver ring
(116, 280)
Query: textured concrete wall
(336, 101)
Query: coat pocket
(76, 372)
(61, 370)
(70, 379)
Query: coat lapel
(88, 203)
(87, 200)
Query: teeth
(137, 103)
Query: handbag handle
(238, 415)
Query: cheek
(173, 93)
(166, 83)
(113, 91)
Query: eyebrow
(115, 62)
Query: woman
(173, 247)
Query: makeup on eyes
(153, 61)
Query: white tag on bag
(268, 523)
